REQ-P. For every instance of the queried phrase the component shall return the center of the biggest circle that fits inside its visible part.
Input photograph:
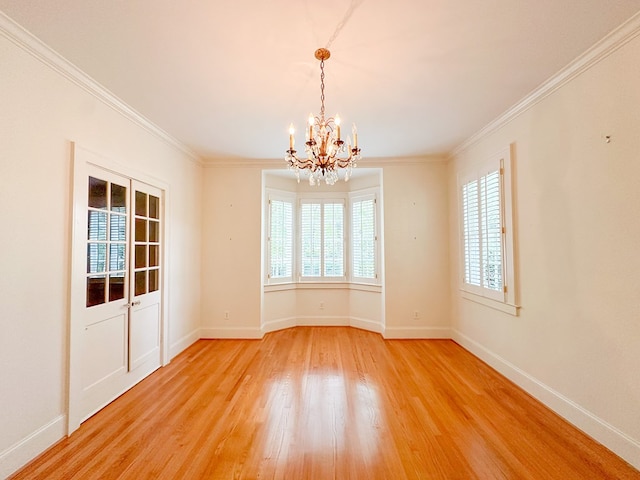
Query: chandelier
(323, 144)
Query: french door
(118, 334)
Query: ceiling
(227, 77)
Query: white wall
(416, 250)
(42, 112)
(576, 342)
(232, 245)
(416, 253)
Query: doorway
(116, 285)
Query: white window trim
(506, 301)
(360, 195)
(285, 197)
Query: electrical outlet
(321, 305)
(226, 314)
(415, 314)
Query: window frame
(505, 300)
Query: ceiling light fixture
(323, 145)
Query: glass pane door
(106, 242)
(146, 243)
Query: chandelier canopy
(323, 143)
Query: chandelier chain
(322, 90)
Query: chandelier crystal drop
(323, 144)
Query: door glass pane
(118, 228)
(154, 255)
(97, 193)
(154, 231)
(117, 256)
(141, 230)
(118, 198)
(154, 207)
(141, 204)
(116, 286)
(96, 257)
(141, 283)
(153, 280)
(96, 225)
(141, 256)
(96, 287)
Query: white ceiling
(227, 77)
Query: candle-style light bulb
(354, 130)
(311, 121)
(292, 131)
(337, 121)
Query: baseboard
(184, 343)
(22, 452)
(317, 321)
(228, 332)
(615, 440)
(290, 322)
(416, 333)
(366, 324)
(280, 324)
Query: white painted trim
(322, 321)
(291, 322)
(601, 50)
(25, 450)
(279, 164)
(489, 302)
(603, 432)
(182, 344)
(279, 324)
(416, 333)
(45, 54)
(366, 324)
(245, 333)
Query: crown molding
(601, 50)
(366, 162)
(244, 163)
(45, 54)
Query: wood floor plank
(326, 403)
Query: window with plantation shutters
(482, 231)
(333, 241)
(322, 239)
(280, 239)
(491, 222)
(486, 236)
(363, 238)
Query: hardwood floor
(326, 403)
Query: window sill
(278, 287)
(488, 302)
(365, 287)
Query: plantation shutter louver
(471, 225)
(483, 233)
(310, 239)
(491, 231)
(363, 238)
(333, 230)
(281, 239)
